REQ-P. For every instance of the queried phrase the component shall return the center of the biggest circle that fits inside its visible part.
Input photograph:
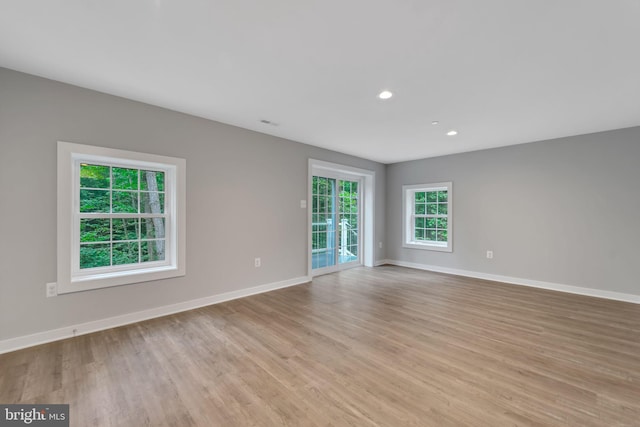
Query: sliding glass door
(335, 223)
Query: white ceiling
(500, 72)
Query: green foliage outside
(324, 213)
(105, 240)
(432, 226)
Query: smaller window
(427, 213)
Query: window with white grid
(120, 217)
(427, 216)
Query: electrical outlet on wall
(257, 262)
(490, 254)
(52, 289)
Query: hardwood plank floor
(388, 346)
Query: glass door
(335, 223)
(348, 222)
(323, 223)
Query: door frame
(367, 208)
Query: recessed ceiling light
(385, 94)
(452, 132)
(435, 122)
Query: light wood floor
(366, 347)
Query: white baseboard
(380, 262)
(618, 296)
(18, 343)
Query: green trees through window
(431, 208)
(121, 216)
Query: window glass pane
(420, 209)
(420, 222)
(442, 196)
(94, 201)
(431, 235)
(419, 233)
(97, 255)
(152, 251)
(152, 202)
(125, 253)
(442, 222)
(94, 176)
(152, 180)
(432, 209)
(126, 229)
(431, 223)
(329, 204)
(354, 205)
(152, 228)
(323, 187)
(319, 240)
(432, 196)
(125, 202)
(442, 208)
(421, 197)
(354, 250)
(442, 235)
(125, 179)
(95, 230)
(342, 207)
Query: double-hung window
(120, 217)
(427, 210)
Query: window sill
(104, 280)
(428, 246)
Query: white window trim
(70, 278)
(408, 234)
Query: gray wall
(565, 211)
(243, 200)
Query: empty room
(319, 213)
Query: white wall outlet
(52, 289)
(490, 254)
(303, 204)
(257, 262)
(380, 245)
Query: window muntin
(121, 217)
(427, 216)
